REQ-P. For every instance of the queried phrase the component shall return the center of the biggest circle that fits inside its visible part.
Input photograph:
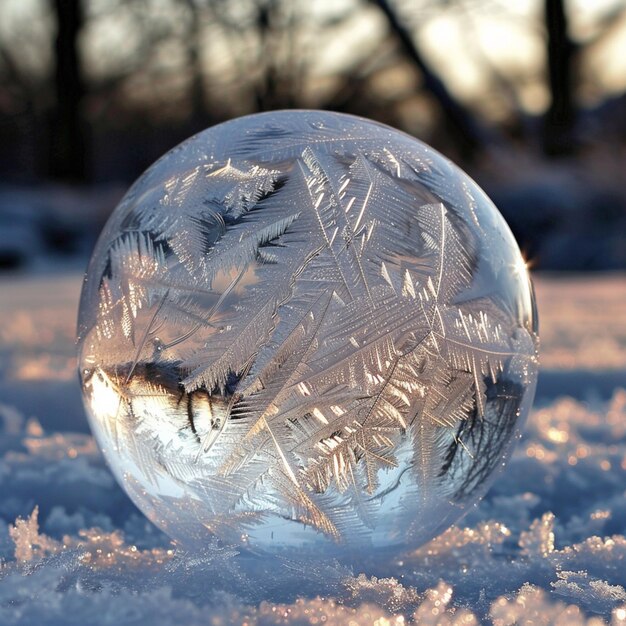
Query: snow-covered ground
(547, 545)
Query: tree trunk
(560, 117)
(197, 94)
(67, 159)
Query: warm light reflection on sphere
(307, 333)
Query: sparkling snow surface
(547, 545)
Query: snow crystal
(29, 544)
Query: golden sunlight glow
(104, 400)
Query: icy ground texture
(547, 544)
(308, 334)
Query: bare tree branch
(462, 125)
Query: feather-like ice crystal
(306, 333)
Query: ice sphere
(306, 333)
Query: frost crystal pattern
(306, 332)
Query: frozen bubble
(309, 334)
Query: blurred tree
(560, 116)
(197, 92)
(67, 159)
(140, 75)
(461, 125)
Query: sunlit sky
(510, 37)
(467, 42)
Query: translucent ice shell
(306, 333)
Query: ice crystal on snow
(306, 331)
(29, 544)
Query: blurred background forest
(529, 96)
